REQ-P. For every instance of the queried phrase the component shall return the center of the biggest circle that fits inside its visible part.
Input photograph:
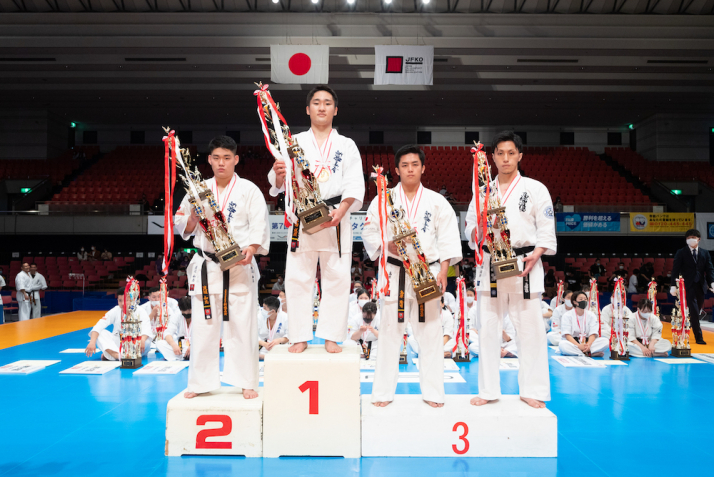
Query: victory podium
(409, 427)
(221, 422)
(312, 403)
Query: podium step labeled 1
(221, 422)
(312, 403)
(410, 428)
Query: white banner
(301, 64)
(397, 64)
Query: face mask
(582, 304)
(154, 303)
(692, 242)
(621, 267)
(187, 316)
(646, 316)
(367, 321)
(597, 263)
(668, 274)
(361, 303)
(82, 249)
(469, 299)
(568, 303)
(282, 302)
(263, 314)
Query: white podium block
(217, 423)
(408, 427)
(311, 403)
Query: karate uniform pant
(24, 310)
(527, 319)
(300, 271)
(109, 341)
(167, 351)
(429, 337)
(600, 345)
(661, 346)
(509, 346)
(240, 344)
(36, 309)
(553, 337)
(448, 347)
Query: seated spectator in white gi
(108, 343)
(606, 319)
(447, 324)
(279, 285)
(37, 284)
(449, 300)
(366, 330)
(356, 285)
(176, 344)
(153, 309)
(272, 326)
(283, 302)
(547, 314)
(354, 317)
(579, 329)
(554, 335)
(508, 341)
(646, 333)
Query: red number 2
(219, 432)
(462, 437)
(312, 387)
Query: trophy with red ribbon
(301, 196)
(130, 338)
(680, 323)
(460, 352)
(492, 221)
(594, 303)
(620, 334)
(210, 217)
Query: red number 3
(461, 437)
(219, 432)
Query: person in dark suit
(694, 264)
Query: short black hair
(321, 87)
(692, 233)
(567, 292)
(370, 307)
(224, 142)
(272, 302)
(184, 303)
(154, 290)
(635, 271)
(33, 264)
(120, 292)
(505, 136)
(576, 294)
(409, 149)
(644, 303)
(361, 291)
(470, 289)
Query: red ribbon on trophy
(169, 185)
(461, 333)
(618, 305)
(480, 214)
(559, 294)
(383, 216)
(164, 315)
(594, 300)
(129, 282)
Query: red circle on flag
(299, 64)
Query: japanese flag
(299, 64)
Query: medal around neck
(210, 217)
(491, 217)
(309, 206)
(130, 340)
(680, 323)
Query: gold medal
(324, 176)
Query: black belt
(366, 348)
(204, 285)
(295, 242)
(401, 298)
(518, 251)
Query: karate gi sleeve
(274, 191)
(592, 324)
(259, 221)
(173, 327)
(470, 223)
(656, 329)
(448, 237)
(371, 238)
(509, 328)
(566, 324)
(472, 319)
(545, 221)
(262, 329)
(352, 176)
(145, 323)
(448, 321)
(181, 219)
(105, 321)
(43, 283)
(632, 327)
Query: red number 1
(312, 387)
(462, 437)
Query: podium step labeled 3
(312, 403)
(410, 428)
(217, 423)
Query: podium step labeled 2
(312, 403)
(408, 427)
(216, 423)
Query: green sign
(25, 190)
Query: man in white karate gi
(529, 211)
(272, 326)
(554, 336)
(579, 327)
(108, 342)
(448, 325)
(23, 284)
(37, 284)
(176, 344)
(508, 341)
(153, 309)
(245, 211)
(365, 330)
(646, 333)
(336, 163)
(606, 319)
(434, 220)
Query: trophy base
(615, 356)
(229, 257)
(131, 363)
(427, 291)
(403, 359)
(681, 353)
(311, 219)
(466, 358)
(496, 210)
(506, 268)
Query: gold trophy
(423, 281)
(310, 208)
(503, 259)
(680, 323)
(620, 333)
(130, 343)
(461, 350)
(210, 217)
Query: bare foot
(189, 395)
(533, 403)
(249, 394)
(332, 347)
(298, 347)
(382, 404)
(477, 401)
(434, 404)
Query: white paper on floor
(509, 364)
(27, 366)
(578, 362)
(613, 362)
(449, 364)
(162, 367)
(679, 360)
(409, 377)
(554, 348)
(708, 357)
(92, 367)
(74, 350)
(367, 364)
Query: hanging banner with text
(664, 222)
(399, 64)
(279, 233)
(587, 222)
